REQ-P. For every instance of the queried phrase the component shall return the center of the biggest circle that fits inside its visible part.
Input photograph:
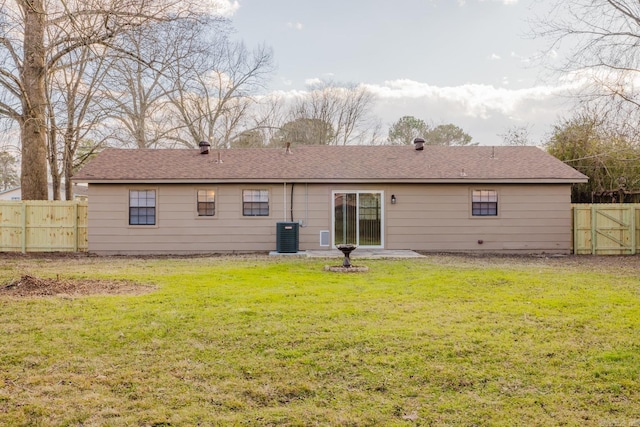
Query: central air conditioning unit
(287, 239)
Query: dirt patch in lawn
(342, 269)
(30, 286)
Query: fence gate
(605, 229)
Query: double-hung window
(206, 203)
(255, 202)
(484, 203)
(142, 207)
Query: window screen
(206, 203)
(484, 203)
(255, 202)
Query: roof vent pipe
(419, 144)
(204, 147)
(288, 149)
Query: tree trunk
(33, 127)
(69, 153)
(54, 170)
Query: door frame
(358, 192)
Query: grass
(257, 341)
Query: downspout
(306, 204)
(284, 201)
(291, 204)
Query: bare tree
(36, 36)
(214, 91)
(346, 108)
(268, 116)
(517, 136)
(354, 117)
(601, 40)
(8, 176)
(29, 85)
(136, 88)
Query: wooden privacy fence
(606, 229)
(43, 226)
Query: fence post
(574, 243)
(24, 227)
(632, 226)
(594, 235)
(75, 226)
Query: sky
(472, 63)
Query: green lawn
(260, 341)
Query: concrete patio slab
(357, 254)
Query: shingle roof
(331, 164)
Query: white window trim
(215, 204)
(157, 206)
(498, 203)
(382, 215)
(270, 202)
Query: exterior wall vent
(324, 238)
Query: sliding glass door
(357, 218)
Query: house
(79, 193)
(427, 198)
(11, 194)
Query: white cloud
(602, 79)
(313, 81)
(483, 111)
(294, 25)
(472, 100)
(523, 59)
(495, 57)
(226, 8)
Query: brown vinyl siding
(178, 228)
(426, 217)
(531, 218)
